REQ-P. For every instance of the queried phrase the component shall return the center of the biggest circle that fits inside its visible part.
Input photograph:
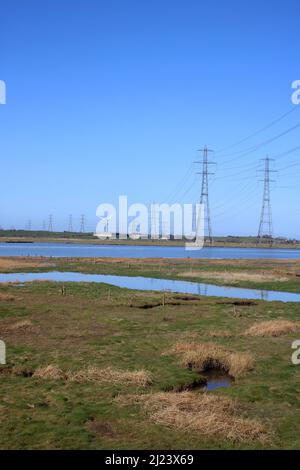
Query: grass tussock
(233, 277)
(207, 414)
(205, 356)
(20, 325)
(220, 334)
(50, 372)
(141, 378)
(6, 297)
(273, 328)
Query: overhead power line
(259, 131)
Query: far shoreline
(218, 242)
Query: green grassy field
(283, 275)
(96, 325)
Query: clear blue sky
(115, 97)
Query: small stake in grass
(63, 290)
(109, 295)
(164, 299)
(235, 312)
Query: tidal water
(144, 283)
(137, 251)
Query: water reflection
(216, 379)
(144, 283)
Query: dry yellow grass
(232, 276)
(208, 414)
(50, 372)
(140, 378)
(7, 264)
(6, 297)
(23, 324)
(94, 374)
(201, 357)
(273, 328)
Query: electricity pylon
(82, 222)
(50, 225)
(265, 231)
(70, 226)
(204, 198)
(154, 222)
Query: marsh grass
(273, 328)
(83, 329)
(203, 413)
(206, 356)
(140, 378)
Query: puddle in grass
(216, 379)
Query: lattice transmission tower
(204, 198)
(50, 224)
(82, 223)
(70, 225)
(265, 231)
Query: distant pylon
(154, 222)
(204, 198)
(265, 231)
(29, 225)
(50, 225)
(82, 223)
(70, 226)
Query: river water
(127, 251)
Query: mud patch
(145, 306)
(187, 298)
(22, 372)
(5, 371)
(101, 428)
(239, 303)
(149, 306)
(194, 385)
